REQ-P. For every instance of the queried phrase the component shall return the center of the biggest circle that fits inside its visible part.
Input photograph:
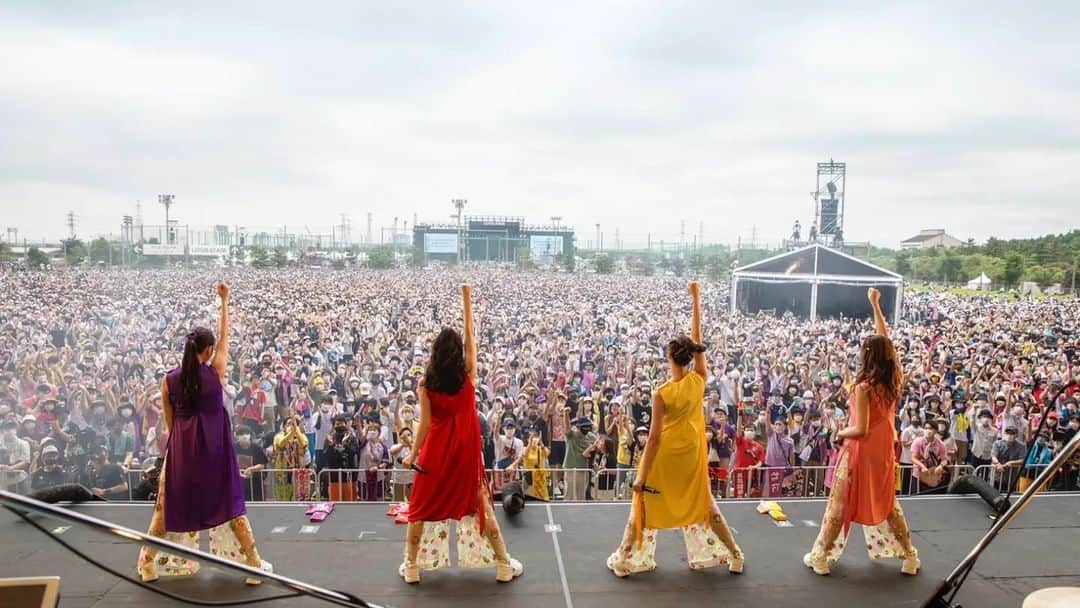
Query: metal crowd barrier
(600, 485)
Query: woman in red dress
(450, 481)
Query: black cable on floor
(151, 588)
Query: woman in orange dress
(864, 484)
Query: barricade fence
(597, 485)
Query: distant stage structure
(492, 239)
(814, 282)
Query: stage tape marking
(809, 523)
(309, 529)
(279, 530)
(60, 529)
(558, 557)
(551, 528)
(784, 524)
(363, 532)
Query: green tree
(604, 264)
(569, 262)
(678, 266)
(36, 259)
(950, 268)
(6, 255)
(381, 257)
(523, 258)
(1014, 269)
(74, 251)
(259, 257)
(279, 258)
(1044, 276)
(903, 264)
(417, 257)
(645, 264)
(99, 250)
(697, 263)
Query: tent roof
(817, 260)
(982, 278)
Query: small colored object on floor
(321, 511)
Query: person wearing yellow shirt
(671, 486)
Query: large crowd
(324, 366)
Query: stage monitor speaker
(30, 592)
(513, 498)
(973, 484)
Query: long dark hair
(880, 369)
(446, 368)
(682, 350)
(197, 341)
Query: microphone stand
(946, 592)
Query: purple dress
(203, 488)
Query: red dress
(871, 496)
(453, 461)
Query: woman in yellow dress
(671, 487)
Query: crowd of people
(324, 366)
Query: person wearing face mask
(451, 483)
(509, 450)
(863, 484)
(401, 479)
(675, 465)
(930, 456)
(374, 458)
(406, 418)
(293, 480)
(14, 457)
(1040, 455)
(50, 472)
(120, 443)
(200, 454)
(105, 480)
(341, 455)
(534, 461)
(322, 424)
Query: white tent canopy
(980, 282)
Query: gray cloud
(636, 116)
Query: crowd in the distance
(324, 366)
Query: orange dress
(871, 494)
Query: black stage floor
(358, 550)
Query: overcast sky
(634, 115)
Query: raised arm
(700, 364)
(470, 339)
(879, 318)
(221, 352)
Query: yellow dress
(536, 464)
(680, 472)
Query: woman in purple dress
(200, 487)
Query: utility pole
(459, 205)
(166, 200)
(369, 235)
(598, 246)
(71, 224)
